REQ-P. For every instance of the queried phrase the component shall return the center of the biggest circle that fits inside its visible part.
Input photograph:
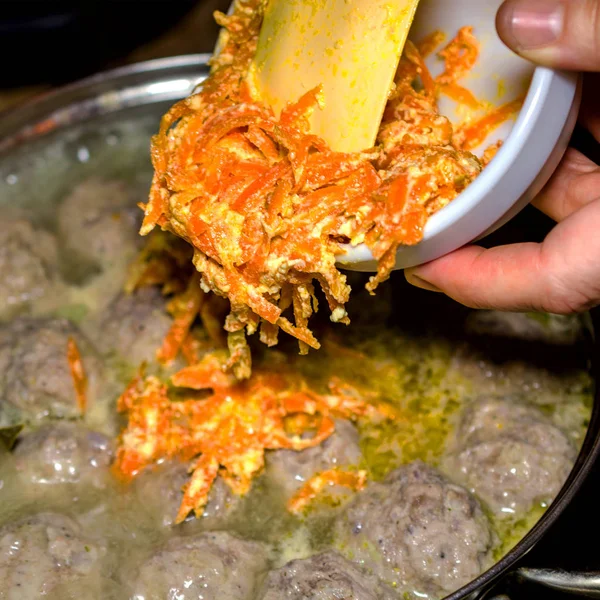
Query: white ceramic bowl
(534, 143)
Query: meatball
(290, 468)
(64, 453)
(35, 377)
(417, 531)
(545, 328)
(209, 566)
(160, 491)
(326, 576)
(99, 221)
(28, 266)
(134, 325)
(510, 455)
(544, 387)
(47, 553)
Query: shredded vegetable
(473, 134)
(80, 381)
(262, 208)
(165, 261)
(227, 432)
(266, 205)
(355, 481)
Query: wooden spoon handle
(349, 47)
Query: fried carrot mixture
(265, 205)
(227, 432)
(165, 261)
(262, 208)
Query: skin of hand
(562, 274)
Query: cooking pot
(103, 124)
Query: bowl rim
(532, 109)
(548, 88)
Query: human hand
(562, 274)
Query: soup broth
(491, 411)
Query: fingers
(575, 183)
(561, 275)
(556, 33)
(507, 276)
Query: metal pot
(144, 90)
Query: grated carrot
(184, 308)
(430, 42)
(261, 206)
(460, 56)
(265, 204)
(460, 95)
(355, 481)
(80, 381)
(228, 431)
(472, 135)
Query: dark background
(51, 43)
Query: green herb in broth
(73, 312)
(9, 435)
(409, 374)
(511, 533)
(542, 318)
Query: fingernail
(532, 23)
(421, 283)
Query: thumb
(563, 34)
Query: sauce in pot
(485, 438)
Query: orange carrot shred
(184, 308)
(460, 56)
(229, 430)
(196, 491)
(460, 94)
(430, 42)
(315, 485)
(190, 349)
(490, 152)
(80, 381)
(473, 134)
(205, 374)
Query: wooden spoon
(349, 47)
